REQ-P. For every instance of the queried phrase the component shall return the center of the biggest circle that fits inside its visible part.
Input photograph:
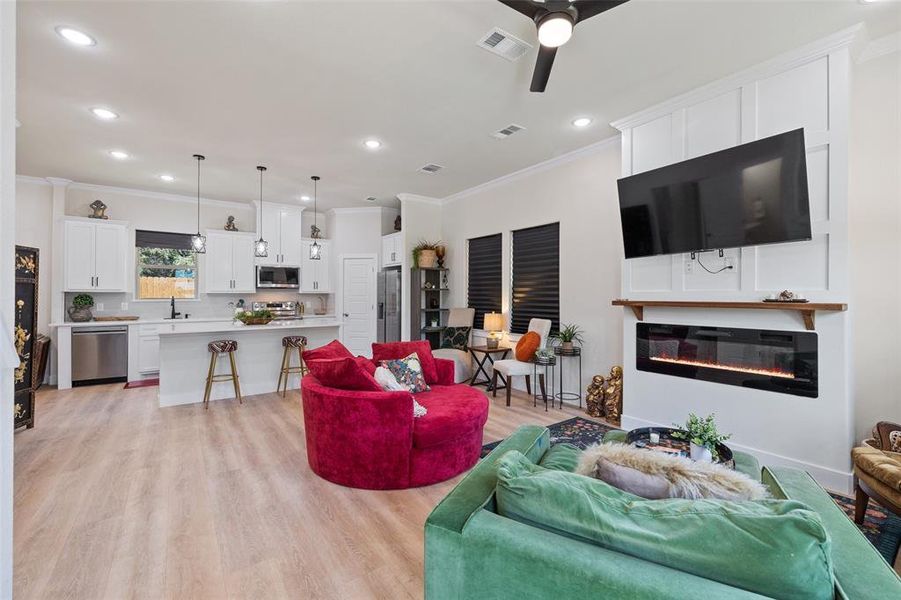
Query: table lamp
(494, 325)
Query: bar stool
(216, 349)
(290, 342)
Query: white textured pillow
(655, 475)
(389, 383)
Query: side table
(543, 362)
(574, 352)
(488, 355)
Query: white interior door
(358, 302)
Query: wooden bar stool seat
(289, 343)
(216, 349)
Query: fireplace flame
(772, 372)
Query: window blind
(162, 239)
(536, 277)
(484, 293)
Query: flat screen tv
(748, 195)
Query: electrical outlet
(123, 306)
(99, 307)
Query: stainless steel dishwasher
(99, 355)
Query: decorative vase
(701, 453)
(427, 259)
(80, 314)
(567, 346)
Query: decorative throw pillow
(397, 350)
(333, 349)
(343, 374)
(455, 337)
(527, 345)
(655, 475)
(366, 364)
(390, 384)
(408, 371)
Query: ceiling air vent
(507, 131)
(497, 41)
(371, 198)
(430, 168)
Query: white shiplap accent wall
(807, 88)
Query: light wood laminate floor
(117, 498)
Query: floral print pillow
(408, 371)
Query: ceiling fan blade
(542, 68)
(526, 7)
(585, 9)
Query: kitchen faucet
(173, 314)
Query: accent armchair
(459, 317)
(511, 367)
(877, 470)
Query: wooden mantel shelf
(808, 310)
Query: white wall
(579, 192)
(421, 220)
(34, 215)
(874, 217)
(7, 287)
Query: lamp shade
(493, 322)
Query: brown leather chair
(877, 470)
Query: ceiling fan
(555, 20)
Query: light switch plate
(123, 306)
(99, 307)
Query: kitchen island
(185, 360)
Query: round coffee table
(641, 438)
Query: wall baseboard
(831, 479)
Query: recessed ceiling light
(305, 198)
(76, 37)
(372, 144)
(104, 114)
(118, 154)
(167, 178)
(581, 122)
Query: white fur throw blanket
(655, 475)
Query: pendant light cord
(199, 158)
(261, 169)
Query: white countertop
(183, 328)
(142, 321)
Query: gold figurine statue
(604, 397)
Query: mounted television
(748, 195)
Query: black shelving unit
(428, 310)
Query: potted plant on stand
(425, 254)
(80, 311)
(702, 436)
(567, 335)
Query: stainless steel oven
(278, 277)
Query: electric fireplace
(777, 361)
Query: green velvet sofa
(473, 552)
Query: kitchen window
(165, 266)
(536, 277)
(484, 293)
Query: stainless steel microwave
(278, 277)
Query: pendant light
(261, 247)
(198, 241)
(315, 247)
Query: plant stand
(574, 352)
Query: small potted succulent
(567, 335)
(80, 311)
(425, 254)
(702, 437)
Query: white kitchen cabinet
(95, 255)
(282, 229)
(392, 252)
(316, 275)
(229, 263)
(148, 350)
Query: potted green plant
(425, 254)
(256, 317)
(80, 311)
(567, 335)
(702, 436)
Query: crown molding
(35, 180)
(405, 197)
(354, 209)
(783, 62)
(887, 44)
(536, 168)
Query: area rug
(881, 527)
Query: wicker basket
(256, 320)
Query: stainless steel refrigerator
(389, 305)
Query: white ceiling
(297, 86)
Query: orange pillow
(527, 345)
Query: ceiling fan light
(555, 30)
